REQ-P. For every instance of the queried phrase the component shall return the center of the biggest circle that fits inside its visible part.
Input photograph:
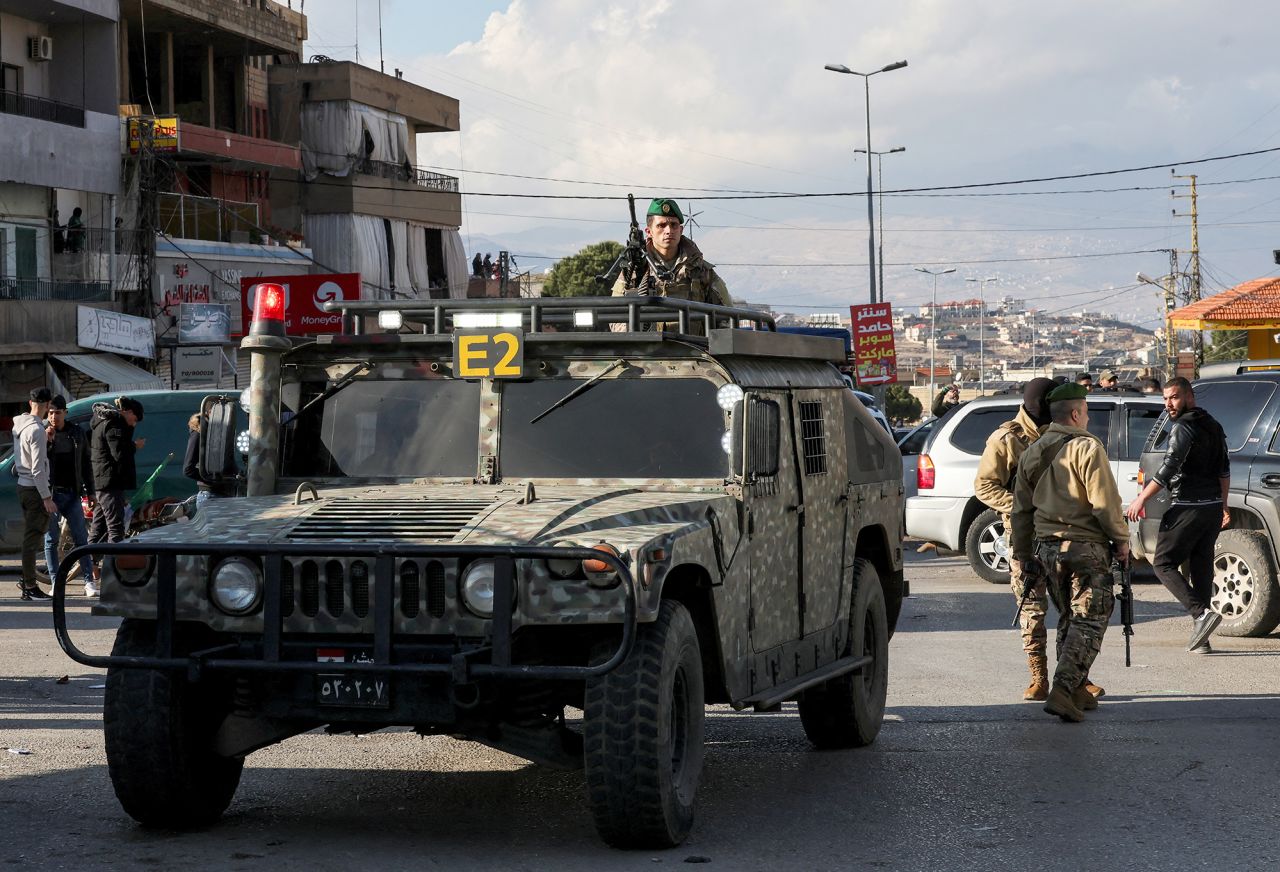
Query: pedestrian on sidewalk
(1067, 524)
(31, 463)
(112, 449)
(1196, 470)
(70, 479)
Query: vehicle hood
(474, 515)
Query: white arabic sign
(111, 331)
(197, 365)
(202, 323)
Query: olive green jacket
(1066, 491)
(999, 459)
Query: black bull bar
(459, 666)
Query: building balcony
(407, 173)
(182, 216)
(69, 290)
(13, 103)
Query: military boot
(1084, 700)
(1038, 690)
(1061, 704)
(1097, 692)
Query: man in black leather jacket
(1197, 472)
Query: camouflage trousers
(1033, 605)
(1080, 587)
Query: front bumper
(936, 519)
(488, 657)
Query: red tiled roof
(938, 371)
(1255, 303)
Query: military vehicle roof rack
(536, 314)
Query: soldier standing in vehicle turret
(673, 265)
(1067, 524)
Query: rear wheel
(1245, 590)
(847, 711)
(642, 733)
(159, 737)
(987, 547)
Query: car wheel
(987, 548)
(642, 736)
(1245, 589)
(847, 711)
(160, 731)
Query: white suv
(944, 509)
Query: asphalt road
(1176, 770)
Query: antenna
(382, 66)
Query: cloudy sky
(701, 97)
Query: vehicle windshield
(620, 428)
(385, 428)
(430, 428)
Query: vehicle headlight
(236, 586)
(478, 588)
(601, 573)
(133, 570)
(564, 567)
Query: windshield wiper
(579, 390)
(358, 370)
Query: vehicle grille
(333, 588)
(361, 518)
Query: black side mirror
(218, 438)
(757, 428)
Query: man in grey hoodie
(31, 462)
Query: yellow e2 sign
(491, 353)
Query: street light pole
(871, 227)
(933, 325)
(880, 196)
(982, 346)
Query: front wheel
(847, 711)
(159, 737)
(987, 547)
(642, 736)
(1245, 590)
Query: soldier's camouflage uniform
(688, 277)
(1067, 514)
(993, 487)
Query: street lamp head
(1146, 279)
(894, 66)
(838, 68)
(898, 149)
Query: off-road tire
(983, 549)
(159, 738)
(642, 731)
(1245, 589)
(847, 711)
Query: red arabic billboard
(304, 299)
(874, 357)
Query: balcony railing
(408, 173)
(53, 289)
(13, 103)
(188, 217)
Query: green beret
(666, 208)
(1068, 392)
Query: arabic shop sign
(874, 357)
(197, 365)
(111, 331)
(203, 323)
(164, 134)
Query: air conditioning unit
(40, 48)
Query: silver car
(944, 509)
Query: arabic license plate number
(360, 691)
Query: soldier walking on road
(31, 464)
(1197, 471)
(1067, 523)
(994, 486)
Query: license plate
(358, 691)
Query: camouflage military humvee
(508, 514)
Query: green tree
(575, 276)
(1227, 345)
(900, 404)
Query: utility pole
(1193, 289)
(148, 214)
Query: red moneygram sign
(304, 299)
(874, 358)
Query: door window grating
(813, 438)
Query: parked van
(164, 425)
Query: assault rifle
(634, 258)
(1120, 576)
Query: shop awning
(113, 371)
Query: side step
(775, 696)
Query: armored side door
(818, 437)
(772, 526)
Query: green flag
(146, 493)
